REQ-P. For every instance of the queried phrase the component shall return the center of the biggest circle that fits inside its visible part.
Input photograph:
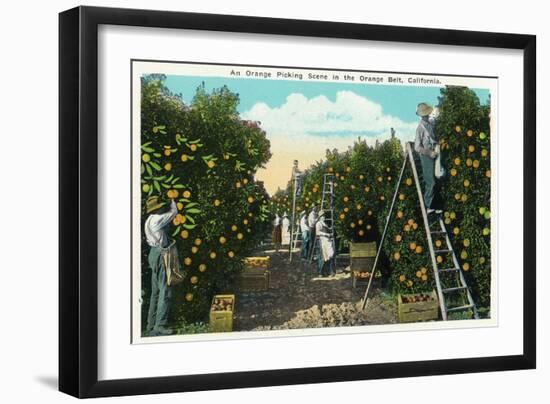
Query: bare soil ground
(298, 298)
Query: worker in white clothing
(277, 234)
(306, 239)
(155, 228)
(285, 230)
(312, 221)
(325, 259)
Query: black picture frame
(78, 196)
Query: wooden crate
(362, 250)
(362, 264)
(359, 278)
(362, 256)
(221, 320)
(253, 279)
(419, 310)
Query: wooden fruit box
(361, 278)
(221, 313)
(362, 256)
(417, 307)
(360, 250)
(361, 264)
(253, 279)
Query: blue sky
(302, 119)
(399, 101)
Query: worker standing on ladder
(425, 144)
(306, 239)
(325, 259)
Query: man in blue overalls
(425, 144)
(155, 227)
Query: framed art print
(256, 201)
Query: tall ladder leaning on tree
(327, 206)
(295, 233)
(453, 285)
(295, 238)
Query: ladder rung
(438, 232)
(460, 308)
(443, 251)
(449, 270)
(449, 290)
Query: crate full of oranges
(221, 313)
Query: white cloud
(303, 129)
(348, 114)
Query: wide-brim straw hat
(153, 203)
(423, 109)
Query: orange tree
(205, 158)
(281, 202)
(463, 129)
(405, 244)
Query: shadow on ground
(48, 381)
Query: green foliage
(463, 129)
(406, 244)
(204, 157)
(193, 328)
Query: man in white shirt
(306, 240)
(312, 221)
(285, 230)
(325, 260)
(312, 218)
(155, 228)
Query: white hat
(423, 109)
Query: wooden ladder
(294, 230)
(296, 236)
(454, 282)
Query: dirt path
(297, 298)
